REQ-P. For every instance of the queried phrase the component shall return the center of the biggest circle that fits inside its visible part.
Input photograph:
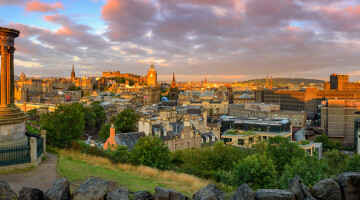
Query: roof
(128, 139)
(245, 96)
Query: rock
(326, 189)
(143, 195)
(271, 194)
(92, 189)
(244, 192)
(167, 194)
(60, 190)
(120, 194)
(29, 193)
(349, 185)
(5, 191)
(299, 189)
(210, 192)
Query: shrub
(353, 163)
(120, 155)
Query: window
(202, 140)
(251, 140)
(213, 138)
(264, 138)
(241, 142)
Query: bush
(327, 143)
(120, 155)
(336, 161)
(353, 163)
(309, 168)
(258, 171)
(151, 151)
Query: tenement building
(337, 119)
(341, 82)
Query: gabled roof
(128, 139)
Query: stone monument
(12, 119)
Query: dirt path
(41, 177)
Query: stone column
(33, 150)
(12, 80)
(4, 76)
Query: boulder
(60, 190)
(244, 192)
(92, 189)
(326, 189)
(143, 195)
(271, 194)
(120, 194)
(167, 194)
(5, 191)
(299, 189)
(209, 192)
(29, 193)
(350, 185)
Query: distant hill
(285, 81)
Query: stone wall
(345, 186)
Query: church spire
(73, 72)
(173, 83)
(267, 81)
(205, 81)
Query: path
(41, 177)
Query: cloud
(11, 2)
(43, 7)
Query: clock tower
(151, 77)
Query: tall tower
(12, 119)
(73, 72)
(152, 77)
(205, 81)
(267, 81)
(173, 83)
(173, 90)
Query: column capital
(11, 50)
(4, 49)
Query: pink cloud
(43, 7)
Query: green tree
(151, 151)
(63, 125)
(125, 121)
(120, 155)
(327, 143)
(257, 170)
(282, 151)
(104, 132)
(353, 164)
(74, 88)
(99, 112)
(309, 168)
(336, 161)
(33, 114)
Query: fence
(14, 155)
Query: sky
(224, 40)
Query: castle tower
(12, 119)
(152, 77)
(73, 72)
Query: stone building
(85, 84)
(337, 119)
(261, 110)
(243, 98)
(151, 77)
(27, 90)
(215, 106)
(340, 82)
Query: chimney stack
(112, 131)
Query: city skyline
(222, 40)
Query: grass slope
(79, 167)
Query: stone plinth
(12, 127)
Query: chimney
(112, 131)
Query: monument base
(12, 127)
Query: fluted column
(12, 80)
(4, 77)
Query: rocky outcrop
(244, 192)
(5, 191)
(271, 194)
(29, 193)
(210, 192)
(299, 189)
(168, 194)
(120, 194)
(326, 189)
(349, 185)
(60, 190)
(92, 189)
(143, 195)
